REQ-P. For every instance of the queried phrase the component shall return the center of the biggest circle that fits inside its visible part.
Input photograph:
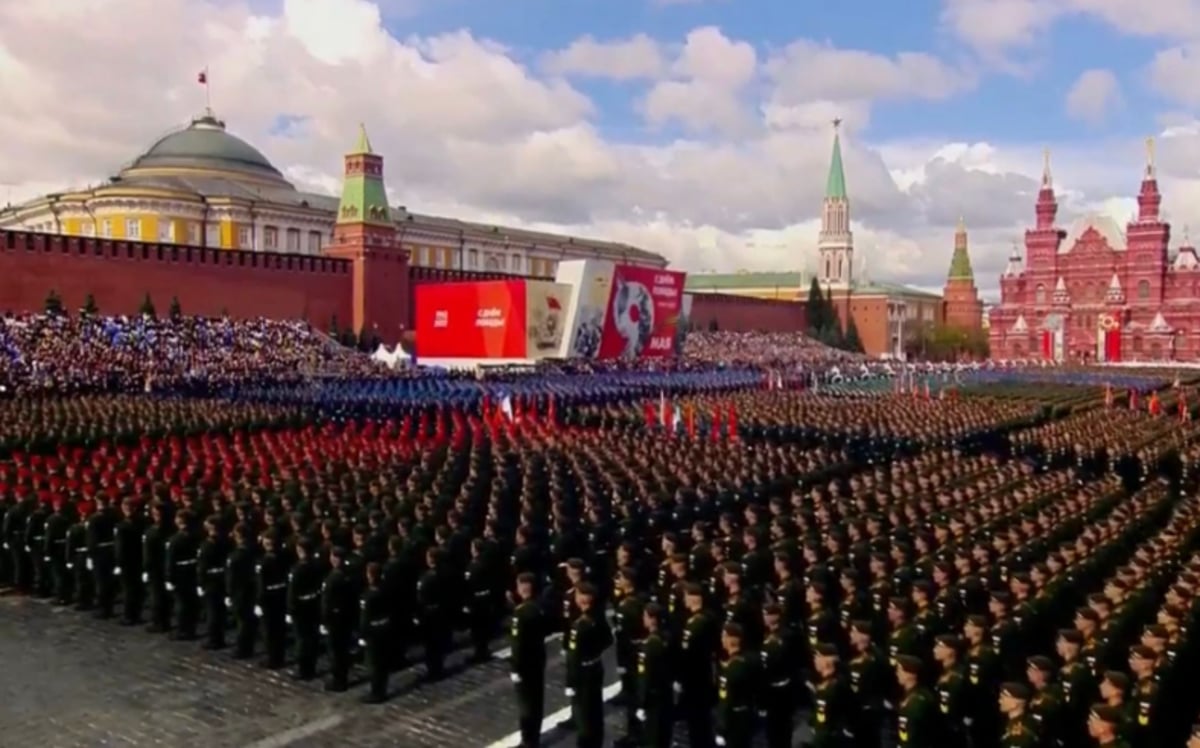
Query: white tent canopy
(394, 358)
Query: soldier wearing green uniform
(694, 671)
(1103, 724)
(917, 722)
(304, 608)
(654, 692)
(528, 632)
(831, 717)
(778, 699)
(736, 685)
(628, 633)
(1020, 730)
(951, 689)
(1046, 704)
(374, 626)
(870, 678)
(587, 639)
(1146, 697)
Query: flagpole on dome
(202, 79)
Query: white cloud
(1093, 96)
(469, 129)
(706, 87)
(639, 56)
(996, 28)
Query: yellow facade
(228, 233)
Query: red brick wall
(747, 314)
(119, 274)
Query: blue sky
(1024, 105)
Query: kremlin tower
(963, 310)
(365, 234)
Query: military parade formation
(1014, 564)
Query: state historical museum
(1097, 294)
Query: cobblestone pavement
(69, 681)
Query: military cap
(948, 640)
(1001, 596)
(924, 586)
(1158, 631)
(1018, 691)
(1117, 679)
(1022, 577)
(909, 664)
(338, 552)
(693, 589)
(1088, 614)
(1041, 663)
(576, 563)
(1071, 635)
(826, 650)
(1142, 652)
(977, 620)
(1105, 713)
(1097, 598)
(861, 627)
(732, 630)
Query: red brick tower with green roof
(366, 235)
(964, 310)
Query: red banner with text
(643, 313)
(471, 320)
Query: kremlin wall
(119, 274)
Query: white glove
(70, 566)
(89, 564)
(720, 740)
(640, 714)
(324, 631)
(362, 643)
(46, 559)
(288, 619)
(514, 678)
(145, 577)
(199, 591)
(620, 670)
(762, 713)
(258, 611)
(968, 721)
(229, 602)
(570, 693)
(678, 688)
(28, 548)
(116, 571)
(887, 704)
(466, 610)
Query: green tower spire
(835, 186)
(960, 261)
(364, 196)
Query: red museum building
(1095, 293)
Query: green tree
(712, 325)
(89, 306)
(54, 303)
(176, 311)
(349, 339)
(817, 310)
(147, 307)
(852, 342)
(334, 332)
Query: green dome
(204, 144)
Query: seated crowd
(1016, 566)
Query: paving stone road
(69, 681)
